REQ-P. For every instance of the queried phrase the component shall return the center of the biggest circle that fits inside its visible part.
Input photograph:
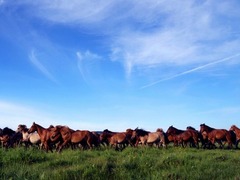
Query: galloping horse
(62, 134)
(119, 140)
(149, 138)
(182, 137)
(198, 134)
(236, 130)
(28, 138)
(44, 134)
(105, 136)
(218, 135)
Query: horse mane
(159, 130)
(141, 132)
(210, 128)
(107, 131)
(8, 131)
(190, 127)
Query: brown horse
(200, 136)
(216, 135)
(44, 134)
(85, 138)
(149, 138)
(119, 140)
(105, 136)
(236, 130)
(182, 137)
(63, 135)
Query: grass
(131, 163)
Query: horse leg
(236, 144)
(61, 146)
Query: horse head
(204, 127)
(233, 128)
(171, 130)
(33, 128)
(21, 127)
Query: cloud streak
(192, 70)
(86, 62)
(34, 60)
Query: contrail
(191, 70)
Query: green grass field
(131, 163)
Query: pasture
(131, 163)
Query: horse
(85, 138)
(216, 135)
(105, 137)
(182, 136)
(119, 140)
(62, 134)
(10, 138)
(149, 138)
(44, 134)
(1, 132)
(28, 138)
(236, 130)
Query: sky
(115, 65)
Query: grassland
(131, 163)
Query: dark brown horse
(10, 138)
(236, 130)
(182, 137)
(216, 135)
(44, 134)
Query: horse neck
(235, 128)
(176, 131)
(40, 129)
(209, 129)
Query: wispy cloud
(85, 61)
(34, 60)
(151, 33)
(192, 70)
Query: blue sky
(119, 64)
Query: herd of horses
(61, 137)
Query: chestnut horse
(105, 136)
(84, 138)
(119, 140)
(62, 134)
(236, 130)
(44, 134)
(68, 136)
(216, 135)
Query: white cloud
(86, 61)
(152, 33)
(34, 60)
